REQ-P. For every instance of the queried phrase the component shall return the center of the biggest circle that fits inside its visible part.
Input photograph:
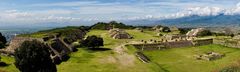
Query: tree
(205, 33)
(93, 42)
(3, 39)
(166, 29)
(232, 35)
(34, 56)
(184, 30)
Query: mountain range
(197, 17)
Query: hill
(110, 25)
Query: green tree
(3, 39)
(93, 42)
(166, 29)
(34, 56)
(205, 33)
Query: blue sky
(77, 11)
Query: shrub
(92, 41)
(34, 56)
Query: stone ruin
(200, 42)
(178, 44)
(142, 57)
(209, 56)
(165, 44)
(139, 29)
(195, 32)
(15, 43)
(119, 34)
(175, 37)
(142, 47)
(174, 28)
(58, 47)
(158, 28)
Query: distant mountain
(207, 21)
(220, 20)
(198, 16)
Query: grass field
(172, 60)
(100, 61)
(107, 61)
(183, 60)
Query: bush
(34, 56)
(92, 41)
(205, 33)
(166, 29)
(3, 39)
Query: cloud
(102, 10)
(238, 5)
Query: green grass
(10, 61)
(107, 61)
(64, 32)
(173, 60)
(183, 60)
(110, 42)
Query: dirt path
(123, 57)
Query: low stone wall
(142, 57)
(227, 43)
(175, 44)
(178, 44)
(202, 42)
(142, 47)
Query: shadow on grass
(3, 64)
(99, 49)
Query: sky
(82, 11)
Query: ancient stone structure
(174, 28)
(178, 44)
(209, 56)
(119, 34)
(59, 47)
(15, 43)
(201, 42)
(234, 43)
(237, 37)
(175, 37)
(142, 57)
(139, 29)
(158, 28)
(161, 45)
(194, 32)
(142, 47)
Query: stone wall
(178, 44)
(202, 42)
(119, 34)
(174, 44)
(227, 42)
(142, 47)
(16, 42)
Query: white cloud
(78, 11)
(238, 5)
